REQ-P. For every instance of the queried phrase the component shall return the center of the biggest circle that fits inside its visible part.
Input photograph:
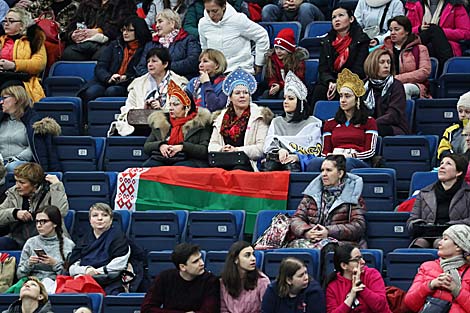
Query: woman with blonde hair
(33, 298)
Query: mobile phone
(40, 252)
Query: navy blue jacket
(184, 53)
(311, 299)
(40, 138)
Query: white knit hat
(464, 100)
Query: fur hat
(460, 235)
(285, 39)
(294, 85)
(464, 100)
(350, 80)
(239, 77)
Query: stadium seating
(121, 153)
(273, 258)
(372, 257)
(311, 72)
(387, 230)
(325, 110)
(66, 303)
(159, 261)
(420, 180)
(81, 225)
(123, 303)
(276, 105)
(297, 184)
(410, 113)
(215, 261)
(79, 153)
(274, 27)
(455, 77)
(101, 113)
(67, 111)
(314, 33)
(263, 221)
(66, 78)
(379, 191)
(433, 116)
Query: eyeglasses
(356, 259)
(4, 98)
(10, 21)
(42, 222)
(127, 30)
(465, 135)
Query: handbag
(228, 159)
(49, 26)
(136, 117)
(275, 235)
(7, 271)
(436, 305)
(107, 279)
(178, 157)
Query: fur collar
(36, 38)
(264, 113)
(47, 126)
(160, 120)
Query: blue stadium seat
(276, 105)
(15, 253)
(274, 27)
(403, 266)
(314, 33)
(121, 153)
(101, 113)
(158, 230)
(66, 78)
(379, 191)
(264, 219)
(433, 79)
(325, 110)
(273, 258)
(433, 116)
(373, 258)
(387, 230)
(79, 153)
(215, 261)
(348, 4)
(69, 220)
(455, 77)
(126, 303)
(410, 113)
(81, 225)
(215, 230)
(420, 180)
(85, 188)
(10, 178)
(297, 184)
(67, 111)
(66, 303)
(159, 261)
(311, 72)
(6, 299)
(408, 154)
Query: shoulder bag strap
(382, 21)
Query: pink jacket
(419, 290)
(454, 21)
(408, 71)
(372, 299)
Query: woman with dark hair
(294, 291)
(345, 46)
(46, 254)
(352, 132)
(385, 96)
(445, 202)
(410, 57)
(116, 66)
(332, 209)
(181, 136)
(95, 23)
(242, 285)
(354, 287)
(33, 298)
(149, 91)
(440, 24)
(296, 132)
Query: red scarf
(176, 133)
(232, 125)
(129, 51)
(341, 45)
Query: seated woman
(445, 278)
(33, 298)
(116, 66)
(206, 89)
(242, 126)
(353, 284)
(345, 46)
(332, 209)
(24, 136)
(440, 25)
(184, 48)
(385, 96)
(293, 291)
(446, 201)
(181, 136)
(33, 190)
(152, 7)
(351, 132)
(22, 50)
(242, 285)
(411, 58)
(104, 249)
(94, 24)
(296, 132)
(148, 91)
(46, 254)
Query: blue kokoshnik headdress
(237, 78)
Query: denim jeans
(307, 13)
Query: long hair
(371, 64)
(53, 213)
(23, 100)
(231, 275)
(289, 266)
(291, 62)
(360, 115)
(298, 115)
(342, 254)
(141, 30)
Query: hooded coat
(196, 133)
(346, 217)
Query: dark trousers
(438, 45)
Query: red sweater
(419, 290)
(278, 66)
(362, 138)
(372, 299)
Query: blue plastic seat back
(264, 219)
(311, 72)
(125, 303)
(78, 153)
(273, 258)
(124, 152)
(15, 253)
(67, 114)
(273, 29)
(434, 67)
(6, 299)
(410, 113)
(433, 116)
(372, 257)
(317, 29)
(69, 220)
(419, 180)
(324, 110)
(387, 230)
(101, 113)
(158, 230)
(379, 191)
(159, 261)
(297, 184)
(455, 77)
(83, 69)
(81, 225)
(457, 65)
(276, 105)
(66, 303)
(85, 188)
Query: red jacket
(419, 290)
(454, 21)
(276, 64)
(372, 299)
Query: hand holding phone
(40, 252)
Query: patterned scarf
(232, 125)
(372, 84)
(168, 39)
(198, 96)
(451, 266)
(341, 45)
(176, 133)
(328, 197)
(158, 91)
(129, 52)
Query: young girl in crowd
(283, 58)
